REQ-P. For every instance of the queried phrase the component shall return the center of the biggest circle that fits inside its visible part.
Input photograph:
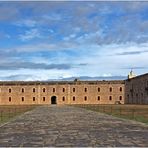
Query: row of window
(24, 99)
(74, 98)
(85, 89)
(137, 95)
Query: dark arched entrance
(53, 100)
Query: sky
(62, 39)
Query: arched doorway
(53, 100)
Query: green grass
(132, 112)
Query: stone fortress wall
(134, 90)
(70, 92)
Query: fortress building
(134, 90)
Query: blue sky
(60, 39)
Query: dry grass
(8, 112)
(133, 112)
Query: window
(73, 98)
(63, 89)
(33, 89)
(53, 89)
(85, 98)
(63, 98)
(22, 90)
(44, 89)
(74, 89)
(85, 90)
(33, 98)
(43, 98)
(98, 89)
(9, 99)
(9, 90)
(22, 99)
(120, 88)
(98, 98)
(110, 89)
(120, 98)
(110, 98)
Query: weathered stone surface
(71, 126)
(136, 90)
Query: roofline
(137, 77)
(60, 82)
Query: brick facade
(70, 92)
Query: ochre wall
(136, 90)
(91, 94)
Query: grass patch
(8, 112)
(132, 112)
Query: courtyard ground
(71, 126)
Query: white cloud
(30, 34)
(26, 23)
(71, 36)
(106, 75)
(45, 46)
(52, 17)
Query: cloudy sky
(55, 40)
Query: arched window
(85, 98)
(9, 99)
(98, 98)
(63, 98)
(33, 98)
(22, 99)
(110, 98)
(85, 89)
(53, 89)
(74, 89)
(74, 98)
(110, 89)
(44, 89)
(63, 89)
(22, 90)
(9, 90)
(98, 89)
(33, 89)
(120, 88)
(43, 98)
(120, 98)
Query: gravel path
(71, 127)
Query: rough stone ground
(71, 127)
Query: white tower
(131, 75)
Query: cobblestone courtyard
(71, 126)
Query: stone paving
(66, 126)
